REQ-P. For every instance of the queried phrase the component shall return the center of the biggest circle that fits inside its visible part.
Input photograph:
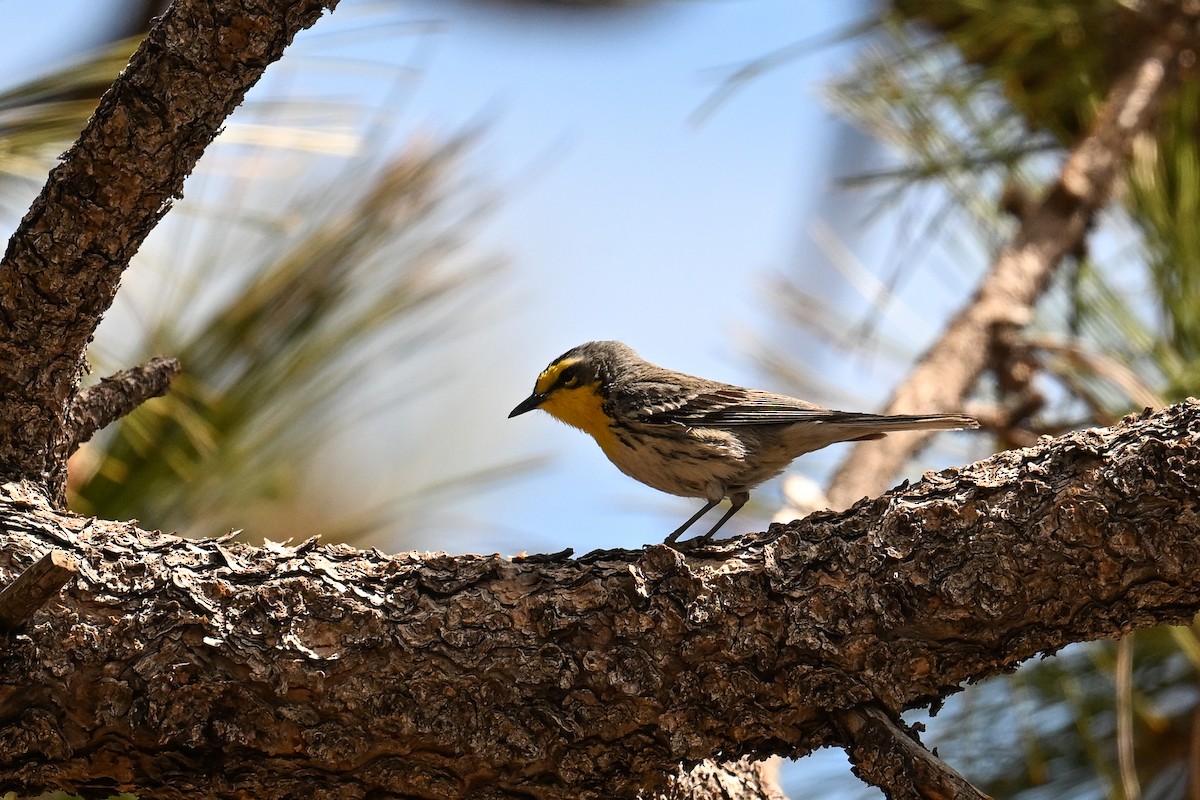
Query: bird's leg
(738, 500)
(671, 539)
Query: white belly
(695, 462)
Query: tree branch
(177, 668)
(892, 759)
(1053, 229)
(64, 262)
(117, 395)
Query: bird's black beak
(528, 404)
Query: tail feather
(838, 426)
(883, 423)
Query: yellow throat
(582, 408)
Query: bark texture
(1053, 229)
(64, 262)
(178, 668)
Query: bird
(694, 437)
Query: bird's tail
(876, 426)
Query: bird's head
(575, 386)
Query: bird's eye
(569, 377)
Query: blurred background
(426, 202)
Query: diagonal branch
(64, 262)
(117, 395)
(1053, 229)
(177, 668)
(889, 757)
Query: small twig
(891, 758)
(1130, 789)
(34, 587)
(1137, 391)
(117, 395)
(1015, 367)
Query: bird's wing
(731, 405)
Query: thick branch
(1053, 229)
(64, 263)
(177, 668)
(117, 395)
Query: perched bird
(694, 437)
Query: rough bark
(1054, 228)
(64, 262)
(179, 668)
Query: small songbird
(693, 437)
